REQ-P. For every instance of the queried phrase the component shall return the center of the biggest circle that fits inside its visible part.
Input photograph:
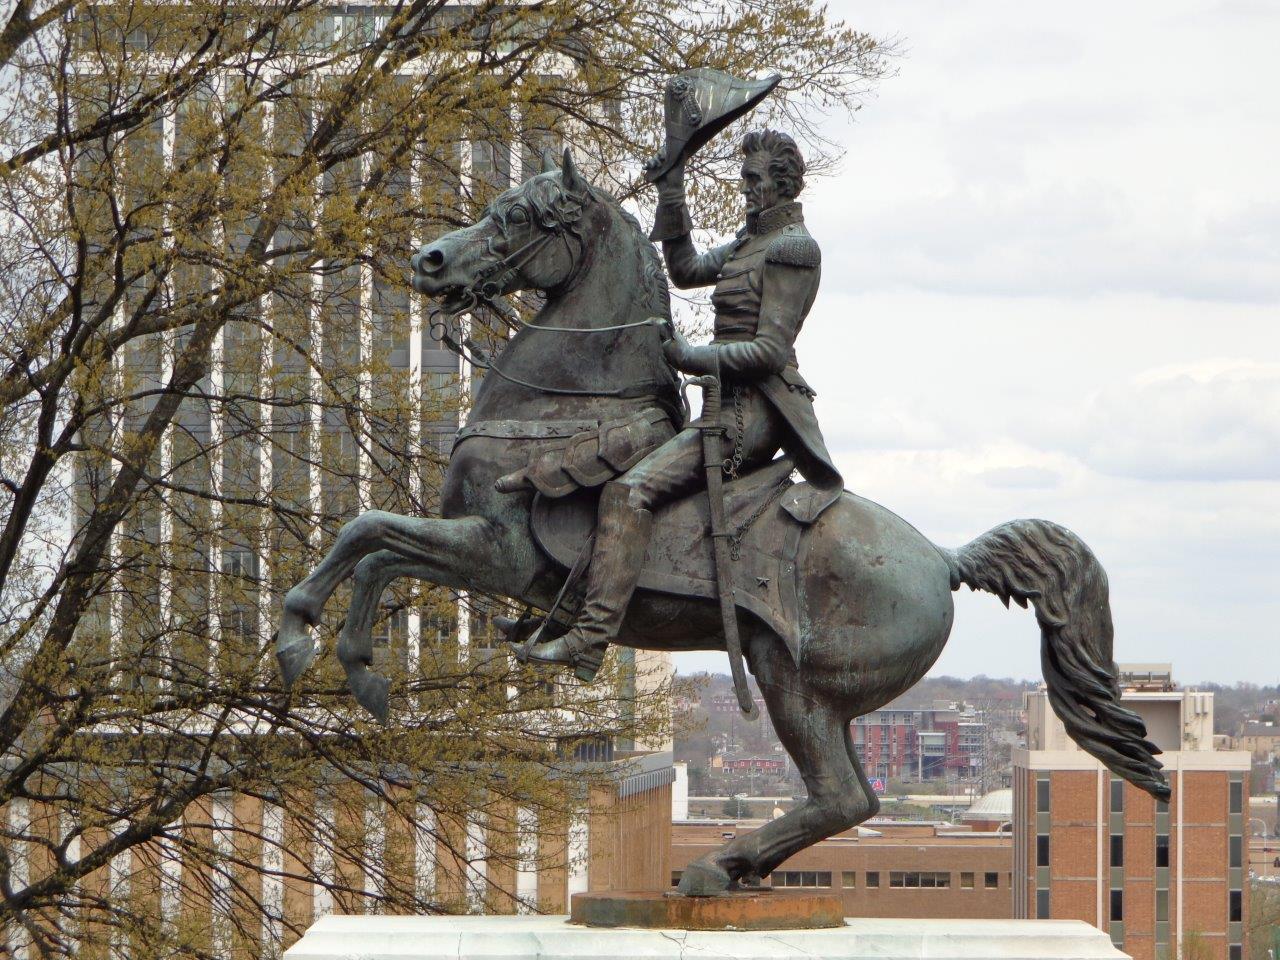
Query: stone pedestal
(554, 938)
(739, 910)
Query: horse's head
(530, 237)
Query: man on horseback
(765, 281)
(870, 598)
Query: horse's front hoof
(370, 690)
(294, 657)
(704, 880)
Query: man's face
(758, 186)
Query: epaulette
(794, 249)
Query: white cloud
(1048, 232)
(1212, 420)
(1023, 152)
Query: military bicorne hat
(698, 105)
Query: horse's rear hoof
(294, 659)
(704, 880)
(370, 690)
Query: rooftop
(996, 805)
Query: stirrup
(588, 661)
(583, 656)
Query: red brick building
(1161, 878)
(890, 870)
(919, 744)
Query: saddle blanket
(765, 542)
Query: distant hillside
(1231, 702)
(924, 693)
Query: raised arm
(672, 225)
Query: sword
(713, 432)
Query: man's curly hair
(786, 166)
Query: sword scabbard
(713, 461)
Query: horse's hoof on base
(294, 659)
(370, 690)
(704, 880)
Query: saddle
(764, 544)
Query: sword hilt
(710, 385)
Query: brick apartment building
(1159, 878)
(882, 870)
(920, 744)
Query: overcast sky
(1051, 288)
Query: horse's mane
(555, 206)
(655, 273)
(552, 203)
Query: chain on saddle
(735, 541)
(733, 463)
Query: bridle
(485, 291)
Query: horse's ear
(569, 174)
(549, 164)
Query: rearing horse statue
(576, 397)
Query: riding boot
(622, 534)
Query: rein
(641, 388)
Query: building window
(1117, 849)
(1162, 906)
(991, 880)
(1042, 850)
(1162, 850)
(675, 877)
(1042, 795)
(916, 878)
(1235, 952)
(849, 879)
(966, 881)
(1235, 910)
(1235, 846)
(802, 878)
(1117, 795)
(1117, 904)
(1042, 904)
(1236, 788)
(873, 878)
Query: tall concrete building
(1165, 880)
(303, 453)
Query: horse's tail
(1053, 568)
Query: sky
(1051, 288)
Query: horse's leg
(369, 581)
(452, 553)
(811, 724)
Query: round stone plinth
(734, 910)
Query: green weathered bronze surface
(872, 595)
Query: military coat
(766, 280)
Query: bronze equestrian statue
(841, 605)
(765, 283)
